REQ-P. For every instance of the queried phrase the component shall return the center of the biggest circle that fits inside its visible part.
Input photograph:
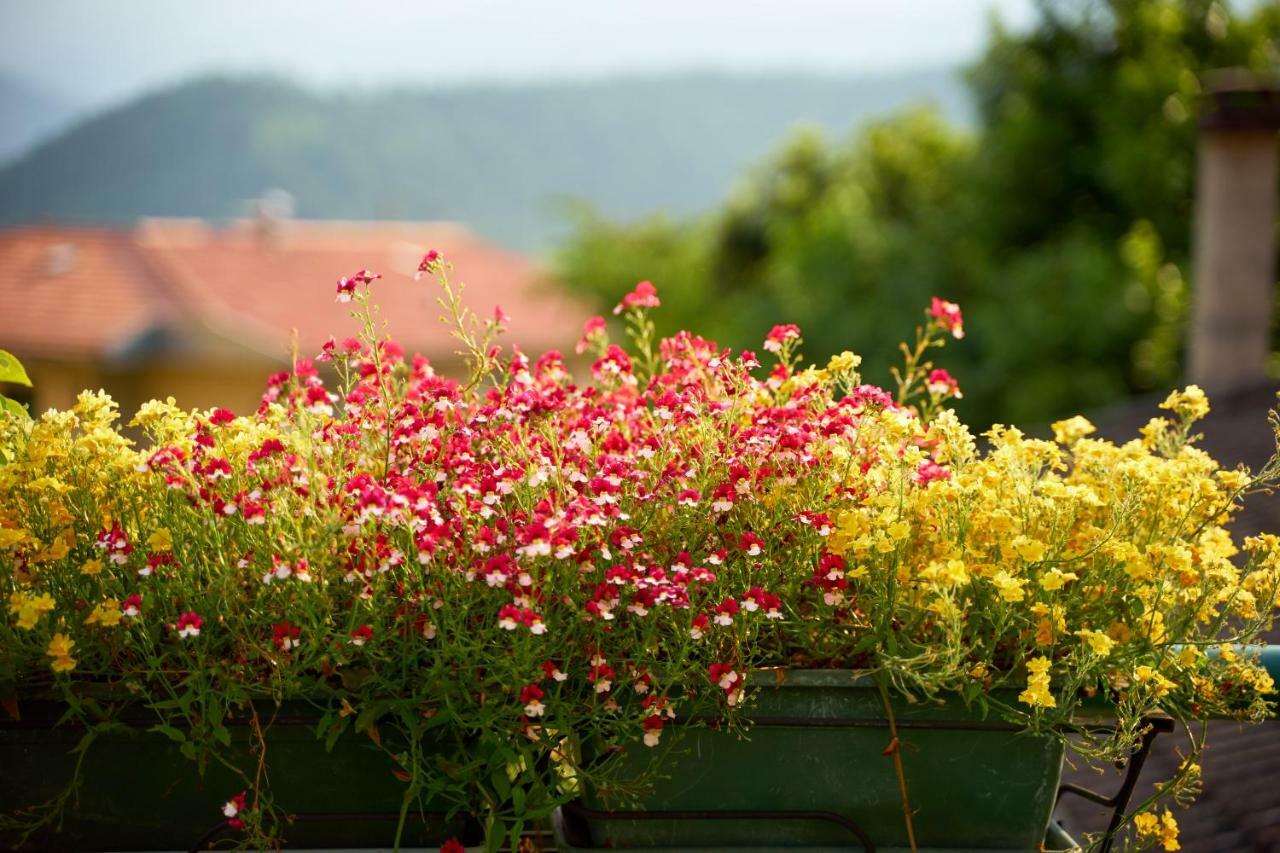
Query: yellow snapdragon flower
(1037, 693)
(60, 650)
(30, 608)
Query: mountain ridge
(495, 156)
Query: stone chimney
(1234, 239)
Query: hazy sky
(101, 50)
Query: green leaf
(11, 369)
(175, 735)
(14, 408)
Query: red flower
(430, 261)
(593, 330)
(645, 295)
(347, 286)
(362, 635)
(726, 610)
(779, 336)
(531, 697)
(233, 808)
(132, 605)
(189, 625)
(942, 384)
(453, 845)
(948, 317)
(285, 635)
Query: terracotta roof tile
(260, 282)
(91, 293)
(74, 293)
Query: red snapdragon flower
(948, 317)
(593, 330)
(531, 696)
(233, 808)
(428, 264)
(729, 680)
(132, 606)
(189, 624)
(726, 610)
(645, 295)
(453, 845)
(347, 286)
(779, 336)
(362, 635)
(285, 635)
(942, 384)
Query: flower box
(551, 577)
(816, 748)
(138, 792)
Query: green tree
(1061, 224)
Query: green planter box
(815, 751)
(140, 793)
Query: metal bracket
(1119, 801)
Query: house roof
(250, 285)
(75, 293)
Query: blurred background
(1094, 181)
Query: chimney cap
(1241, 99)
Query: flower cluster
(519, 556)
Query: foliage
(1062, 223)
(486, 577)
(13, 373)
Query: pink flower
(928, 471)
(592, 330)
(942, 384)
(189, 625)
(779, 336)
(428, 264)
(645, 295)
(698, 629)
(347, 286)
(948, 317)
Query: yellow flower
(1161, 686)
(161, 540)
(1055, 579)
(1189, 403)
(1163, 829)
(60, 650)
(1028, 549)
(1037, 693)
(899, 530)
(1010, 587)
(107, 614)
(1071, 430)
(10, 536)
(843, 363)
(30, 608)
(91, 567)
(1099, 643)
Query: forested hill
(496, 157)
